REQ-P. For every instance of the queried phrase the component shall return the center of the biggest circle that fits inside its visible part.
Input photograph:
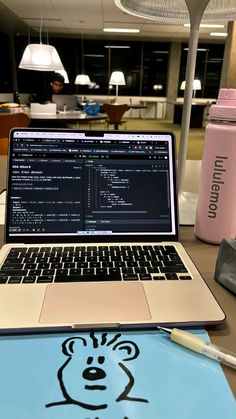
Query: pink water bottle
(216, 206)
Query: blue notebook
(128, 375)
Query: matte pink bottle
(216, 205)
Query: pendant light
(41, 57)
(82, 78)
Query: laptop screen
(65, 102)
(74, 185)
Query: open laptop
(65, 103)
(99, 208)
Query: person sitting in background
(56, 87)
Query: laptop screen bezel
(87, 238)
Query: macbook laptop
(65, 102)
(92, 235)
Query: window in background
(125, 56)
(144, 64)
(208, 69)
(96, 66)
(155, 66)
(5, 67)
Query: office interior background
(145, 58)
(144, 64)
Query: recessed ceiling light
(117, 46)
(161, 52)
(94, 55)
(218, 34)
(207, 25)
(121, 30)
(198, 49)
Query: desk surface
(204, 256)
(65, 116)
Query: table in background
(197, 113)
(204, 256)
(62, 120)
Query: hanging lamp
(41, 57)
(82, 78)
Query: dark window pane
(208, 68)
(5, 72)
(155, 66)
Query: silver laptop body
(92, 235)
(65, 102)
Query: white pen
(201, 346)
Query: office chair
(115, 113)
(7, 122)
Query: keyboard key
(89, 278)
(88, 271)
(159, 278)
(177, 263)
(15, 280)
(154, 270)
(127, 270)
(8, 266)
(145, 277)
(45, 279)
(107, 264)
(29, 279)
(171, 276)
(101, 271)
(75, 271)
(34, 272)
(173, 269)
(130, 277)
(95, 264)
(13, 272)
(140, 270)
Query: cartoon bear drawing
(83, 376)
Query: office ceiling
(71, 18)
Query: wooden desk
(197, 112)
(204, 256)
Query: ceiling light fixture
(160, 52)
(206, 25)
(41, 57)
(120, 30)
(94, 55)
(218, 34)
(198, 49)
(117, 46)
(82, 79)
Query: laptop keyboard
(92, 263)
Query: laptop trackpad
(94, 302)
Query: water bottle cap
(225, 107)
(225, 94)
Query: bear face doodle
(84, 376)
